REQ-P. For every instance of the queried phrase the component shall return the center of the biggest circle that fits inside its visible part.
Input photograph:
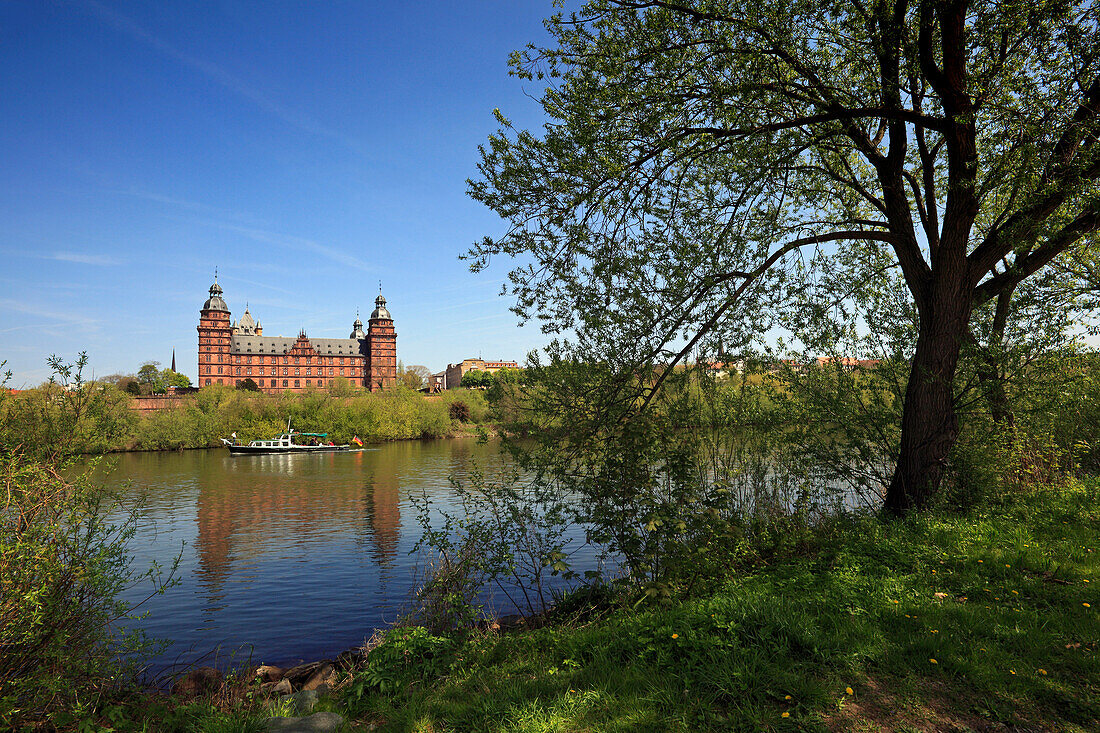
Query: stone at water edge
(326, 675)
(269, 672)
(283, 688)
(316, 723)
(198, 682)
(305, 700)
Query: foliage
(67, 415)
(414, 377)
(78, 417)
(706, 165)
(406, 655)
(976, 620)
(154, 381)
(64, 559)
(508, 532)
(248, 384)
(477, 379)
(460, 411)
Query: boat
(284, 443)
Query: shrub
(65, 564)
(460, 411)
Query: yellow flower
(786, 697)
(849, 690)
(1086, 605)
(1007, 565)
(933, 660)
(675, 636)
(785, 715)
(982, 648)
(1085, 580)
(981, 561)
(935, 631)
(1012, 671)
(1042, 671)
(933, 572)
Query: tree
(169, 378)
(704, 157)
(477, 379)
(248, 384)
(150, 377)
(414, 376)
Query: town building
(232, 351)
(454, 372)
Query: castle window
(248, 372)
(219, 372)
(238, 371)
(296, 383)
(297, 371)
(319, 382)
(330, 371)
(341, 371)
(261, 370)
(309, 370)
(286, 371)
(284, 382)
(309, 382)
(297, 360)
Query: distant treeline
(98, 418)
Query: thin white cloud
(58, 317)
(185, 204)
(221, 77)
(297, 243)
(83, 259)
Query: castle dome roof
(380, 310)
(357, 329)
(215, 302)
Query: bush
(460, 411)
(64, 564)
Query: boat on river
(288, 442)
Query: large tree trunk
(929, 426)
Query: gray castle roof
(380, 310)
(247, 344)
(215, 302)
(247, 325)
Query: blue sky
(307, 149)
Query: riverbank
(98, 419)
(983, 621)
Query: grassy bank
(98, 418)
(953, 622)
(397, 414)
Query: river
(285, 558)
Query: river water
(286, 558)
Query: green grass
(997, 598)
(1011, 636)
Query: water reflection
(290, 557)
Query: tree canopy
(705, 161)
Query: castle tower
(215, 331)
(381, 348)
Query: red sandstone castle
(232, 352)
